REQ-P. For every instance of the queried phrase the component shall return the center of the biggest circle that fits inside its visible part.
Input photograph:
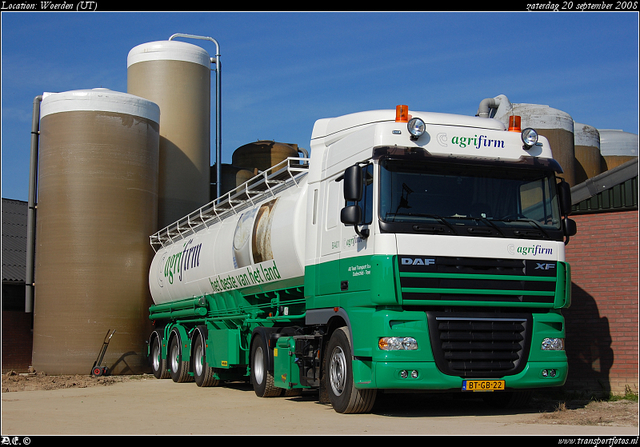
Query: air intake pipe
(488, 105)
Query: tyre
(158, 364)
(178, 369)
(343, 395)
(202, 372)
(261, 377)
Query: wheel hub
(338, 371)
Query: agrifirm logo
(477, 141)
(184, 260)
(533, 250)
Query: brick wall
(602, 322)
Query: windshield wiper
(440, 219)
(490, 224)
(531, 221)
(484, 220)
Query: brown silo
(176, 76)
(262, 154)
(97, 206)
(617, 147)
(232, 176)
(587, 151)
(557, 127)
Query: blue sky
(282, 71)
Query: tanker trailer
(421, 252)
(253, 239)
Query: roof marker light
(402, 114)
(514, 123)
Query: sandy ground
(128, 405)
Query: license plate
(482, 385)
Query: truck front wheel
(343, 394)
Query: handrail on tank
(250, 192)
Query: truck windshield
(465, 199)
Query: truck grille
(453, 281)
(479, 345)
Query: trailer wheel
(158, 364)
(343, 394)
(202, 372)
(178, 369)
(261, 377)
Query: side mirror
(564, 196)
(353, 184)
(569, 227)
(351, 215)
(353, 189)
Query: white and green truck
(410, 251)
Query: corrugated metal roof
(613, 190)
(14, 240)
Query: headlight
(529, 137)
(398, 344)
(416, 128)
(552, 344)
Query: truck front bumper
(398, 375)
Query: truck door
(356, 250)
(330, 234)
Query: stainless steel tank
(176, 76)
(97, 206)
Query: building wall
(17, 336)
(602, 322)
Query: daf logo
(418, 261)
(543, 266)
